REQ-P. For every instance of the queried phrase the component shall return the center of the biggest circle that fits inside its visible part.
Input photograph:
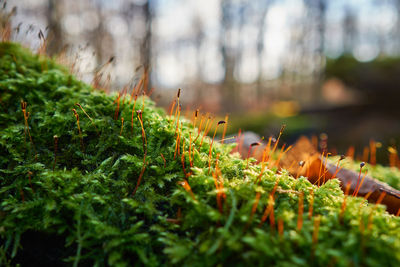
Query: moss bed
(82, 208)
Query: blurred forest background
(319, 66)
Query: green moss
(84, 213)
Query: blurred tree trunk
(56, 38)
(97, 38)
(229, 94)
(103, 44)
(349, 30)
(145, 45)
(198, 42)
(397, 29)
(317, 12)
(260, 46)
(320, 51)
(299, 58)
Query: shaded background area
(318, 66)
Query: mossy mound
(80, 208)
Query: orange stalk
(254, 207)
(372, 148)
(124, 94)
(267, 150)
(267, 211)
(165, 162)
(90, 118)
(272, 217)
(143, 98)
(262, 165)
(177, 105)
(79, 127)
(381, 197)
(317, 222)
(133, 110)
(324, 163)
(179, 213)
(362, 180)
(362, 228)
(55, 137)
(132, 94)
(311, 204)
(350, 152)
(238, 141)
(362, 164)
(281, 153)
(392, 156)
(343, 208)
(179, 141)
(209, 128)
(300, 212)
(225, 127)
(280, 227)
(279, 137)
(30, 181)
(23, 107)
(144, 140)
(22, 195)
(199, 129)
(325, 169)
(177, 144)
(218, 186)
(190, 150)
(172, 108)
(187, 187)
(248, 152)
(26, 126)
(196, 114)
(183, 159)
(320, 168)
(342, 157)
(117, 108)
(220, 179)
(264, 154)
(212, 142)
(368, 195)
(122, 125)
(205, 129)
(270, 205)
(365, 154)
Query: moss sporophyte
(85, 191)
